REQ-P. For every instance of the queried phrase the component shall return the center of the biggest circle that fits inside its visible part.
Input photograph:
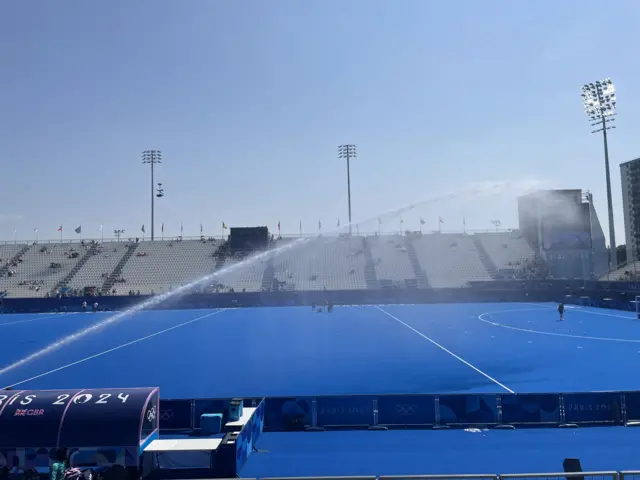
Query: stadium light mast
(152, 157)
(348, 151)
(599, 100)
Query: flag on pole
(60, 228)
(440, 220)
(78, 230)
(143, 230)
(100, 228)
(181, 228)
(162, 228)
(35, 230)
(464, 221)
(379, 221)
(278, 226)
(224, 226)
(338, 224)
(201, 228)
(300, 227)
(422, 222)
(319, 225)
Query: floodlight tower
(152, 157)
(599, 100)
(348, 151)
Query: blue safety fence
(419, 411)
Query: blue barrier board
(530, 408)
(406, 410)
(632, 403)
(469, 409)
(249, 435)
(592, 407)
(175, 414)
(288, 414)
(354, 410)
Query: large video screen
(566, 228)
(249, 238)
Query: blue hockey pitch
(289, 351)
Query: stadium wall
(602, 294)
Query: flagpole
(60, 233)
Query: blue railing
(420, 411)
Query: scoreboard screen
(249, 238)
(566, 228)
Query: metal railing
(606, 475)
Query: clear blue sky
(249, 99)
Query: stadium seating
(391, 260)
(629, 272)
(449, 260)
(323, 263)
(41, 268)
(161, 265)
(98, 266)
(247, 277)
(332, 263)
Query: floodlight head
(599, 99)
(152, 156)
(346, 150)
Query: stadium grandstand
(544, 247)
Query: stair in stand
(91, 251)
(117, 271)
(370, 276)
(488, 264)
(418, 271)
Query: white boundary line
(115, 348)
(35, 319)
(553, 334)
(446, 350)
(580, 308)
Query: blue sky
(248, 100)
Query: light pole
(599, 100)
(348, 151)
(152, 157)
(118, 232)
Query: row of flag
(78, 230)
